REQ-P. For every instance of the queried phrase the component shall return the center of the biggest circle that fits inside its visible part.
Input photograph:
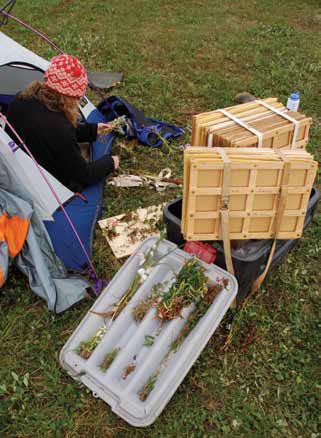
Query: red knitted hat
(67, 75)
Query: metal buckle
(225, 202)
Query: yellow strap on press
(224, 210)
(278, 219)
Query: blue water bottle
(293, 101)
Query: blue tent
(18, 67)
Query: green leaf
(26, 379)
(3, 389)
(15, 376)
(149, 341)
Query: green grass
(181, 58)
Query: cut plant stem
(141, 309)
(190, 285)
(117, 125)
(86, 348)
(171, 149)
(201, 307)
(109, 358)
(147, 263)
(128, 370)
(149, 386)
(127, 296)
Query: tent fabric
(13, 229)
(49, 235)
(20, 177)
(4, 261)
(4, 102)
(24, 169)
(14, 53)
(147, 131)
(47, 276)
(84, 212)
(14, 224)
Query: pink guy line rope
(40, 34)
(53, 192)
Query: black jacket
(53, 141)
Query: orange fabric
(13, 230)
(1, 277)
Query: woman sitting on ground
(45, 115)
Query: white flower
(235, 423)
(100, 333)
(142, 259)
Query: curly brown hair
(53, 100)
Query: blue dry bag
(147, 131)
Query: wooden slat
(216, 129)
(206, 117)
(247, 166)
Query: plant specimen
(111, 232)
(201, 307)
(141, 309)
(149, 341)
(128, 370)
(119, 125)
(145, 267)
(149, 386)
(109, 359)
(86, 348)
(129, 216)
(190, 285)
(133, 236)
(169, 148)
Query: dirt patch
(310, 24)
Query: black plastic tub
(249, 260)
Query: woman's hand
(116, 161)
(104, 128)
